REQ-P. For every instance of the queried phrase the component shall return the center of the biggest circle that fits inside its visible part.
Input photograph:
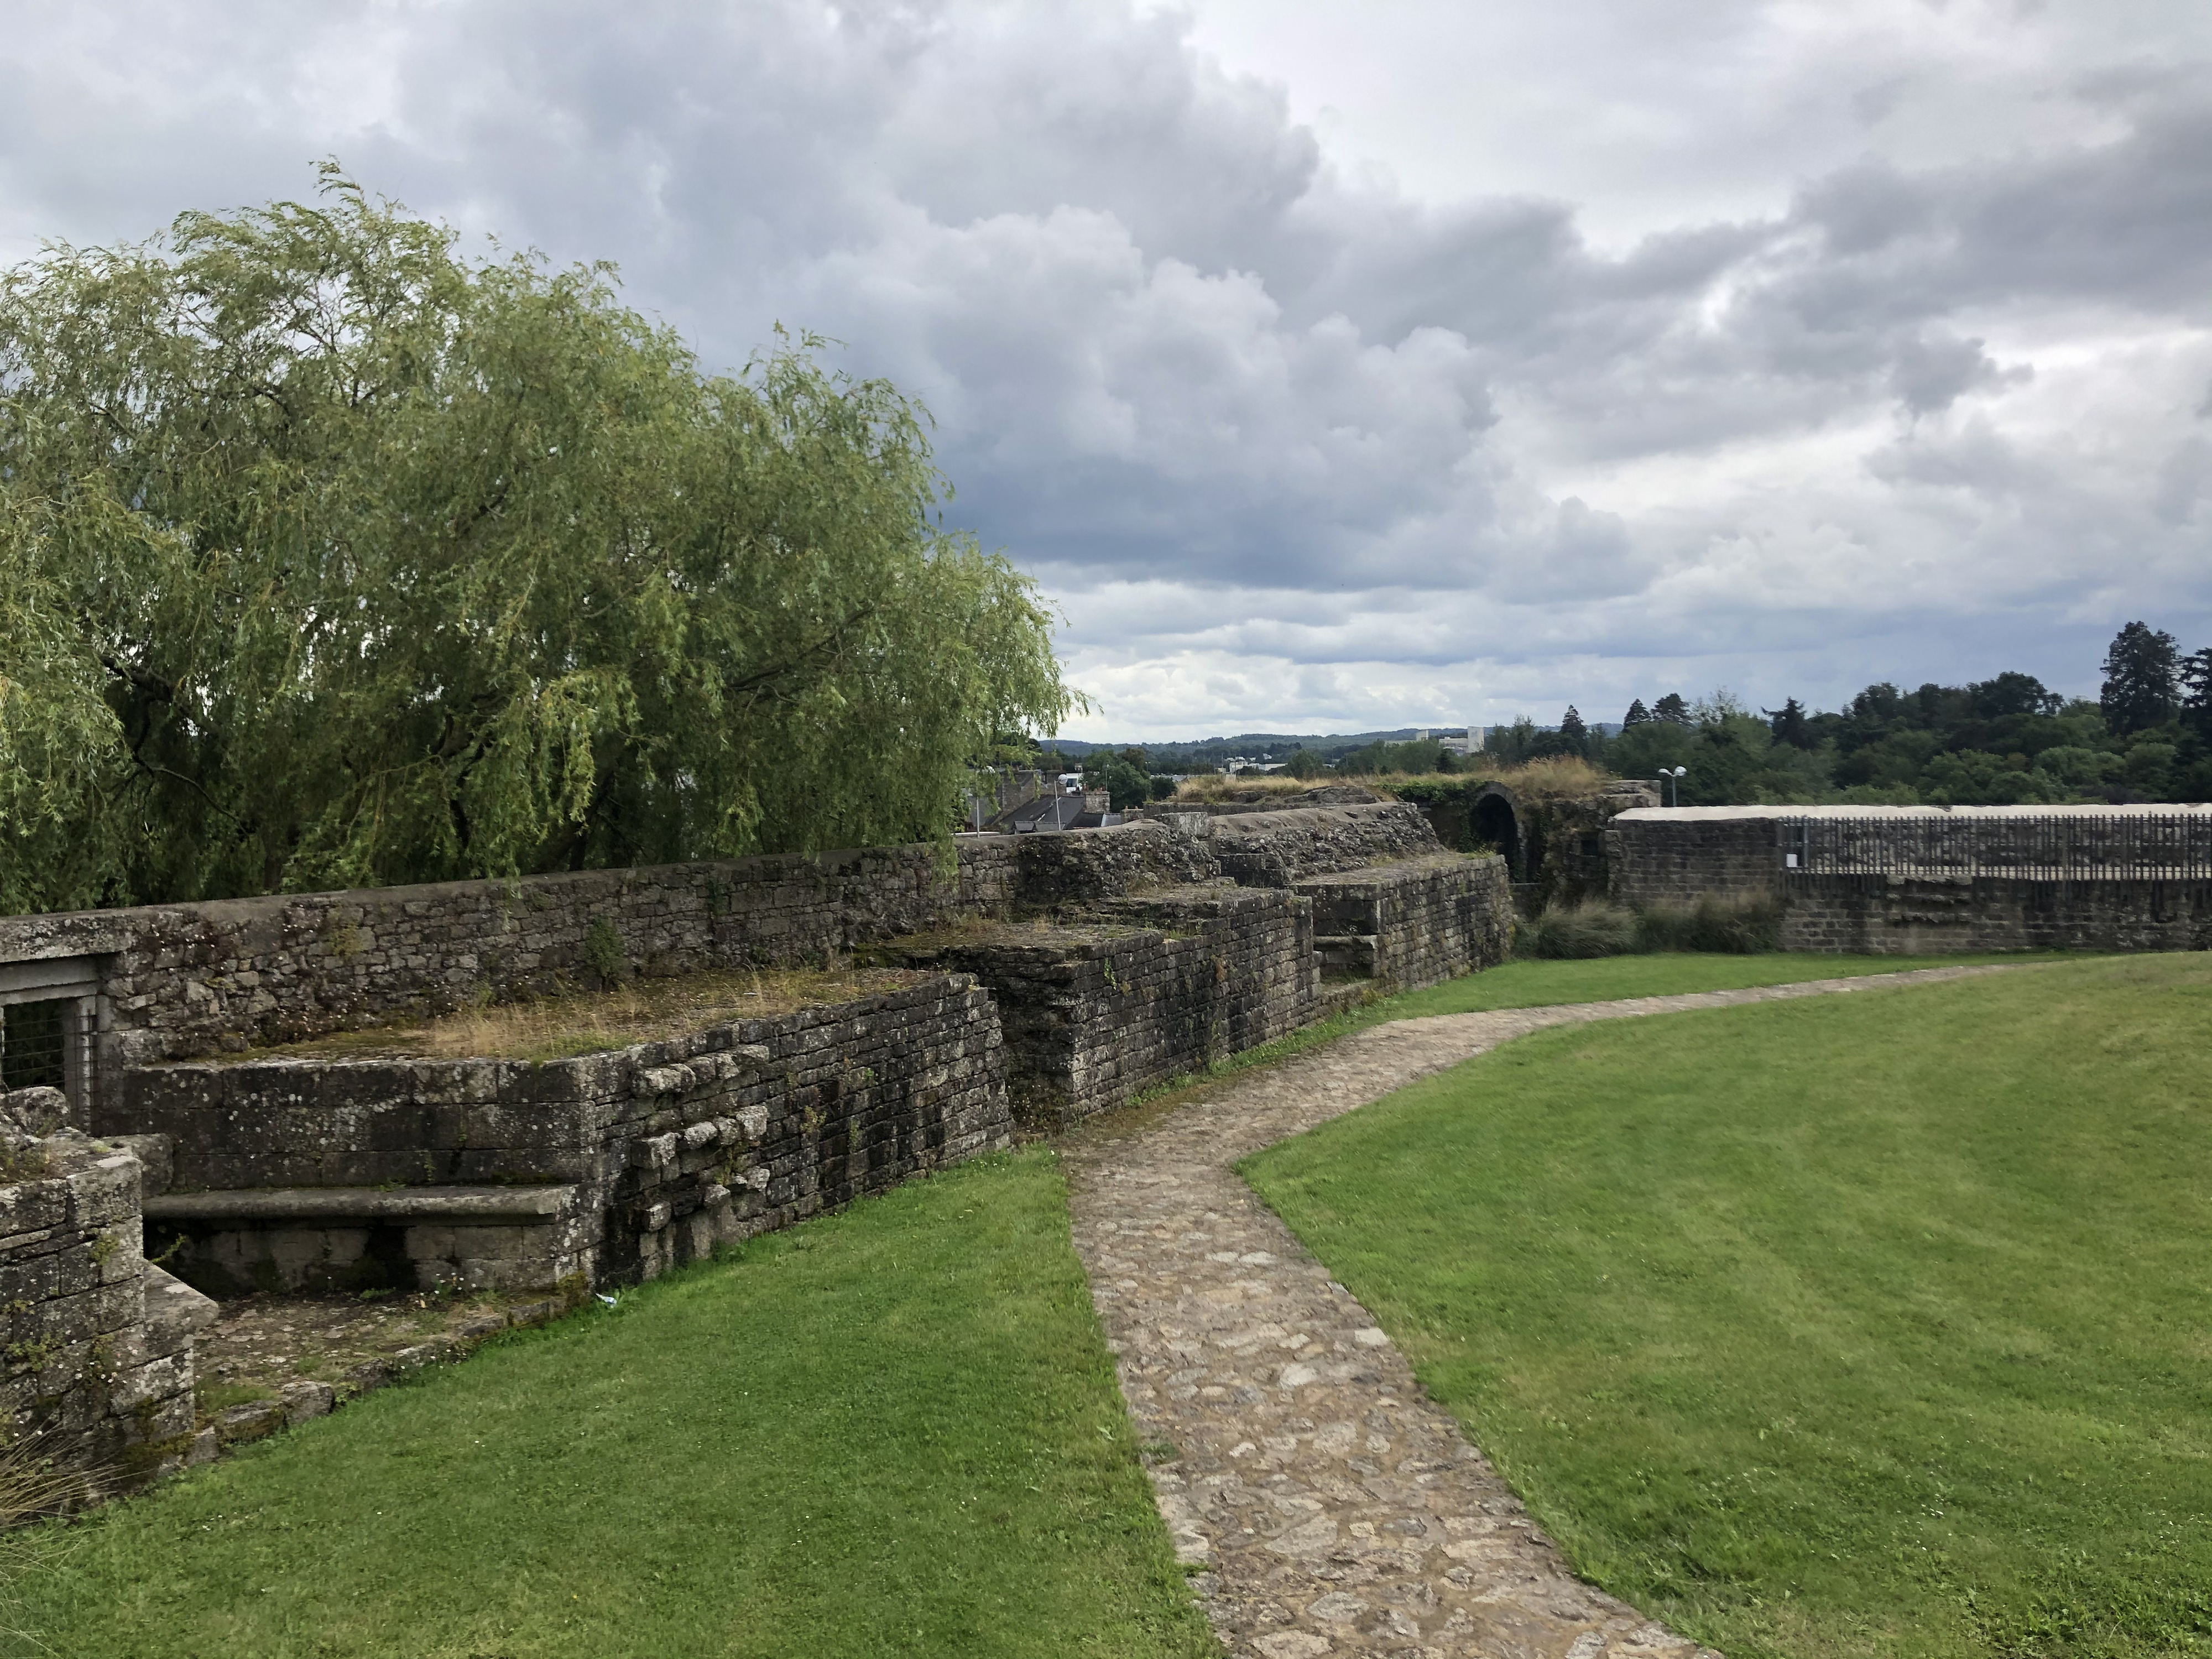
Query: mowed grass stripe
(1871, 1325)
(893, 1430)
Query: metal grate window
(49, 1011)
(34, 1043)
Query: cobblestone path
(1337, 1510)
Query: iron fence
(2031, 846)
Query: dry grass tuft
(644, 1011)
(1215, 788)
(31, 1489)
(1557, 777)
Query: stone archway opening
(1496, 826)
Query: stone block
(304, 1399)
(256, 1419)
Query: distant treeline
(2005, 741)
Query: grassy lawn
(1604, 979)
(892, 1432)
(1541, 984)
(1865, 1326)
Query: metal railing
(2029, 847)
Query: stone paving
(1335, 1509)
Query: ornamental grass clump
(1739, 924)
(1594, 928)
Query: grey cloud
(1167, 343)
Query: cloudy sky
(1344, 365)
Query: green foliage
(2143, 680)
(1592, 927)
(1520, 743)
(603, 953)
(1730, 924)
(891, 1431)
(1383, 759)
(1305, 764)
(328, 557)
(1854, 1325)
(1737, 924)
(1124, 780)
(1532, 984)
(2006, 741)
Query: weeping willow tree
(331, 558)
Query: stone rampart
(1278, 849)
(1054, 872)
(1418, 923)
(1913, 881)
(97, 1376)
(1108, 962)
(1153, 986)
(186, 980)
(1881, 915)
(1657, 855)
(324, 1174)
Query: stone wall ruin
(1047, 978)
(1911, 881)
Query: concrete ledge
(362, 1203)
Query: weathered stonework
(1087, 967)
(1676, 857)
(1156, 985)
(1883, 916)
(187, 979)
(97, 1376)
(1658, 856)
(1554, 846)
(1418, 923)
(1277, 850)
(508, 1175)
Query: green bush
(1594, 928)
(1734, 924)
(1728, 924)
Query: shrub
(1742, 924)
(603, 953)
(1594, 928)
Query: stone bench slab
(511, 1205)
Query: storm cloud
(1293, 442)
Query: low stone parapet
(1411, 924)
(1151, 987)
(1280, 850)
(1926, 915)
(97, 1379)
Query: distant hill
(1205, 754)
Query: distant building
(1091, 809)
(1469, 743)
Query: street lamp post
(1674, 783)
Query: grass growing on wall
(891, 1431)
(1858, 1326)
